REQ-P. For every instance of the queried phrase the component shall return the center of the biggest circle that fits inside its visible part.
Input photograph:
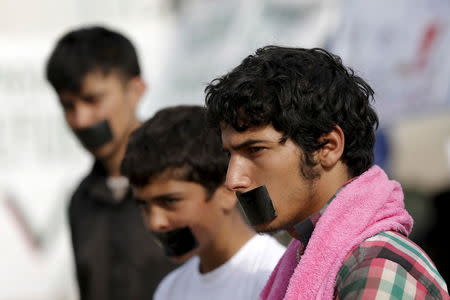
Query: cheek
(114, 110)
(145, 215)
(69, 116)
(204, 222)
(285, 184)
(187, 213)
(114, 107)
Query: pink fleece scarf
(368, 205)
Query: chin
(181, 259)
(269, 227)
(103, 152)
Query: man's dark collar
(305, 228)
(98, 189)
(98, 169)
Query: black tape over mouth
(257, 206)
(176, 242)
(95, 136)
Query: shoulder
(388, 264)
(80, 198)
(264, 252)
(81, 190)
(269, 242)
(267, 245)
(170, 282)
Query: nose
(156, 219)
(237, 179)
(82, 116)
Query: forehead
(95, 82)
(96, 79)
(165, 186)
(231, 137)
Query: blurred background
(401, 47)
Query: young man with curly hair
(299, 130)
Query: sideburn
(307, 167)
(307, 162)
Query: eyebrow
(65, 100)
(90, 95)
(246, 144)
(139, 201)
(84, 97)
(157, 198)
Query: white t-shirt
(241, 277)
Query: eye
(140, 203)
(169, 202)
(67, 106)
(92, 99)
(255, 150)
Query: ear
(330, 153)
(136, 89)
(225, 198)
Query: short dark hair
(176, 139)
(302, 93)
(90, 49)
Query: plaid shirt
(385, 266)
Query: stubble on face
(308, 197)
(289, 174)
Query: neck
(330, 183)
(112, 164)
(324, 188)
(231, 237)
(113, 161)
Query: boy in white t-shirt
(177, 168)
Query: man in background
(96, 75)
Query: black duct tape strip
(176, 242)
(257, 206)
(95, 136)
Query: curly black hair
(302, 93)
(176, 139)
